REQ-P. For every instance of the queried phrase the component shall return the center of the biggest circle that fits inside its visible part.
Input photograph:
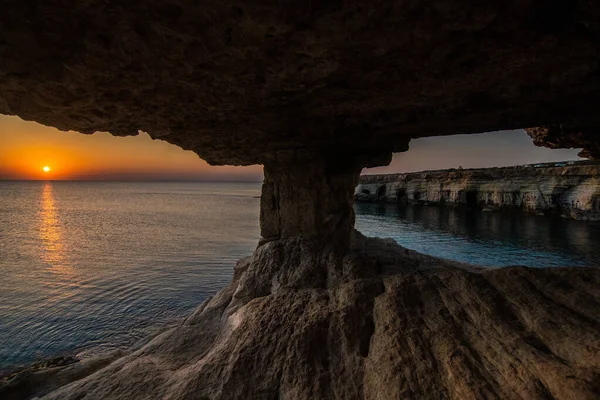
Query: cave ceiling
(280, 81)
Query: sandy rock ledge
(381, 322)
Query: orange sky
(26, 147)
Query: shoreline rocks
(47, 375)
(299, 322)
(570, 190)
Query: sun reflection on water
(53, 252)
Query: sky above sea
(29, 150)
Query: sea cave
(316, 92)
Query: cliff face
(570, 191)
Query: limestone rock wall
(570, 190)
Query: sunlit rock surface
(392, 324)
(570, 190)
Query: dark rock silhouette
(252, 83)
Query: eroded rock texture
(308, 199)
(567, 136)
(315, 91)
(567, 189)
(246, 82)
(395, 324)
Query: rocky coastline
(46, 375)
(566, 189)
(379, 321)
(315, 92)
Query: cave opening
(516, 198)
(366, 191)
(471, 199)
(444, 196)
(401, 194)
(381, 192)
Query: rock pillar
(308, 199)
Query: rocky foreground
(315, 92)
(381, 322)
(570, 190)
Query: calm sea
(484, 238)
(90, 267)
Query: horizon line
(131, 180)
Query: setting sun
(46, 168)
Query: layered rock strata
(569, 190)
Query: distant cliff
(568, 189)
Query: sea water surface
(484, 238)
(89, 267)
